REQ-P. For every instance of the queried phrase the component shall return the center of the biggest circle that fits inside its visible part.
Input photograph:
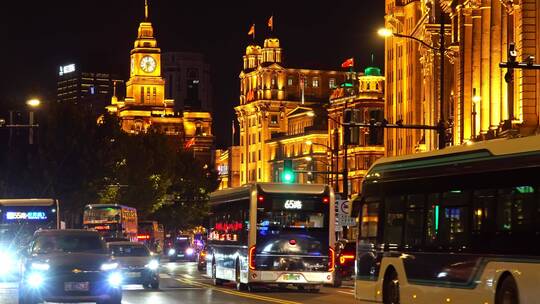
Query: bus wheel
(217, 282)
(507, 292)
(391, 287)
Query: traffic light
(287, 176)
(373, 133)
(351, 135)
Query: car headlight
(153, 265)
(40, 266)
(190, 251)
(109, 266)
(115, 279)
(35, 280)
(8, 262)
(172, 251)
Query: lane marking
(346, 292)
(237, 293)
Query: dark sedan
(138, 264)
(345, 259)
(69, 266)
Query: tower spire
(145, 10)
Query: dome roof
(372, 71)
(253, 49)
(271, 43)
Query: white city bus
(459, 225)
(112, 221)
(19, 219)
(272, 234)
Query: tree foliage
(80, 161)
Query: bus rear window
(290, 219)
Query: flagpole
(233, 131)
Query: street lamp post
(328, 149)
(476, 99)
(385, 32)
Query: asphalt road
(182, 283)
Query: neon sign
(66, 69)
(34, 215)
(293, 204)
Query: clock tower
(145, 84)
(145, 107)
(145, 104)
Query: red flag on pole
(271, 23)
(190, 143)
(349, 63)
(252, 31)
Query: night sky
(38, 36)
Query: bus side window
(515, 207)
(432, 220)
(393, 224)
(414, 222)
(369, 221)
(454, 225)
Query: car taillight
(343, 258)
(260, 198)
(251, 258)
(331, 259)
(326, 200)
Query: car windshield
(182, 244)
(67, 243)
(129, 250)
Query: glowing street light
(34, 102)
(385, 32)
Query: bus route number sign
(34, 215)
(293, 204)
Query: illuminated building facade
(478, 103)
(481, 34)
(367, 96)
(305, 135)
(227, 164)
(145, 106)
(187, 81)
(83, 87)
(268, 92)
(412, 74)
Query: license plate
(292, 277)
(76, 286)
(133, 274)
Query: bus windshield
(102, 215)
(18, 223)
(296, 225)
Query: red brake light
(292, 242)
(331, 259)
(260, 198)
(251, 258)
(345, 257)
(326, 200)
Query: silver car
(137, 263)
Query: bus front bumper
(291, 277)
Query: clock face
(148, 64)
